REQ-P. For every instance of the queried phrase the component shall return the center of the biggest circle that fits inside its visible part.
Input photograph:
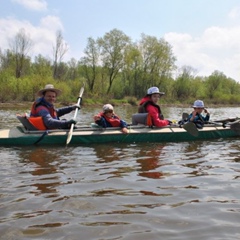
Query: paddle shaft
(75, 116)
(227, 120)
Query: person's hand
(76, 106)
(206, 111)
(97, 117)
(124, 130)
(72, 121)
(169, 122)
(194, 113)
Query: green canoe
(18, 136)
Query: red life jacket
(146, 101)
(37, 121)
(114, 120)
(37, 106)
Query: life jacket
(37, 121)
(114, 120)
(142, 108)
(37, 106)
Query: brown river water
(188, 190)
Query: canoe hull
(18, 137)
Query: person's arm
(193, 116)
(123, 124)
(207, 117)
(100, 121)
(52, 123)
(155, 117)
(65, 110)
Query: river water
(187, 190)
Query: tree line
(113, 68)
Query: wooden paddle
(75, 115)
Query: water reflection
(121, 191)
(44, 170)
(150, 161)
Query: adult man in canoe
(43, 114)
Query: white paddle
(75, 116)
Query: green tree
(158, 61)
(183, 85)
(131, 74)
(72, 69)
(214, 83)
(90, 62)
(112, 49)
(41, 66)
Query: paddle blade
(75, 116)
(69, 138)
(185, 116)
(191, 129)
(235, 127)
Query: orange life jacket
(37, 121)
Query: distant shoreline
(29, 104)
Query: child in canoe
(196, 116)
(107, 118)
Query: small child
(196, 116)
(107, 118)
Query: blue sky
(204, 34)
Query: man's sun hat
(153, 90)
(198, 104)
(49, 87)
(107, 107)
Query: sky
(204, 34)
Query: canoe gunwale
(111, 129)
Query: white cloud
(43, 36)
(234, 13)
(216, 49)
(36, 5)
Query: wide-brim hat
(153, 90)
(49, 87)
(198, 104)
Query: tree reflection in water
(148, 157)
(45, 171)
(150, 160)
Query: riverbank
(10, 105)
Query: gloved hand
(70, 122)
(76, 106)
